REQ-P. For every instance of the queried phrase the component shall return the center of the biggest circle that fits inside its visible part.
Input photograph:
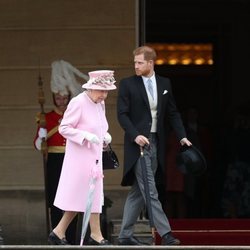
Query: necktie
(150, 88)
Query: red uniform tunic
(55, 141)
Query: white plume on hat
(63, 78)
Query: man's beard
(142, 72)
(138, 72)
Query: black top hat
(191, 161)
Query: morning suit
(134, 116)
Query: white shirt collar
(152, 78)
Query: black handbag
(109, 159)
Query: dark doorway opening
(210, 88)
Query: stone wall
(91, 35)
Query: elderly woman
(85, 127)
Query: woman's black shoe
(55, 240)
(103, 242)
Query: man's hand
(185, 141)
(142, 140)
(42, 133)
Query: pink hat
(100, 80)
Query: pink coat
(81, 156)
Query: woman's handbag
(109, 159)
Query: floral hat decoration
(100, 80)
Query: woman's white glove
(42, 133)
(107, 138)
(91, 137)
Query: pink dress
(83, 160)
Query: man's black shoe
(130, 241)
(169, 239)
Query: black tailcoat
(135, 118)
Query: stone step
(142, 231)
(143, 237)
(141, 226)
